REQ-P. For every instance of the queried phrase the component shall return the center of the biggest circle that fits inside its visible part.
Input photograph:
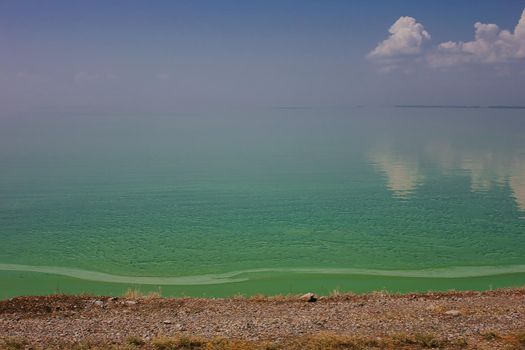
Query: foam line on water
(245, 275)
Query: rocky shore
(451, 320)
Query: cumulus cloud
(406, 38)
(490, 45)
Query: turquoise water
(268, 201)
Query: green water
(267, 201)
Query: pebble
(309, 297)
(453, 313)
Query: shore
(449, 320)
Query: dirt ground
(485, 320)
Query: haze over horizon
(142, 57)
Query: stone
(309, 297)
(453, 313)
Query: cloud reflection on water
(487, 169)
(403, 174)
(517, 183)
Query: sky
(109, 56)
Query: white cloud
(491, 45)
(81, 77)
(403, 49)
(28, 77)
(406, 38)
(85, 76)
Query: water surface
(268, 201)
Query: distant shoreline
(459, 107)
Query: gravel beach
(486, 320)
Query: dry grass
(138, 294)
(331, 342)
(13, 343)
(276, 297)
(336, 293)
(517, 340)
(195, 343)
(135, 341)
(326, 341)
(490, 336)
(178, 343)
(323, 341)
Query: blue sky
(164, 56)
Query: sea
(266, 201)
